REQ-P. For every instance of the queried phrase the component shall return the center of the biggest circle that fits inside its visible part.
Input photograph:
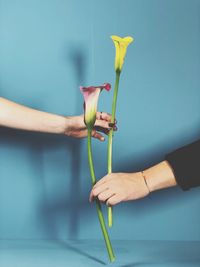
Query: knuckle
(113, 202)
(104, 124)
(94, 192)
(101, 198)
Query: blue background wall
(49, 48)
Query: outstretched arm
(181, 167)
(118, 187)
(17, 116)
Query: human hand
(117, 187)
(77, 128)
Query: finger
(103, 116)
(113, 200)
(103, 180)
(97, 190)
(105, 195)
(113, 126)
(91, 197)
(103, 124)
(98, 135)
(101, 129)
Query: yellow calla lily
(121, 45)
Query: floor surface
(91, 253)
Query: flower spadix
(121, 45)
(91, 96)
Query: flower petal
(106, 86)
(128, 40)
(116, 38)
(91, 95)
(121, 45)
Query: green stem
(98, 205)
(110, 139)
(90, 160)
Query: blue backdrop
(47, 49)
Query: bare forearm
(159, 176)
(20, 117)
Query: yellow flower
(121, 45)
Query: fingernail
(111, 124)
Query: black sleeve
(185, 163)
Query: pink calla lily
(91, 96)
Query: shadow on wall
(51, 211)
(66, 206)
(79, 64)
(73, 206)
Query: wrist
(67, 125)
(140, 185)
(145, 181)
(159, 176)
(58, 124)
(71, 123)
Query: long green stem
(110, 139)
(98, 205)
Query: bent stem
(98, 205)
(110, 139)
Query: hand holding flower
(75, 126)
(117, 187)
(18, 116)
